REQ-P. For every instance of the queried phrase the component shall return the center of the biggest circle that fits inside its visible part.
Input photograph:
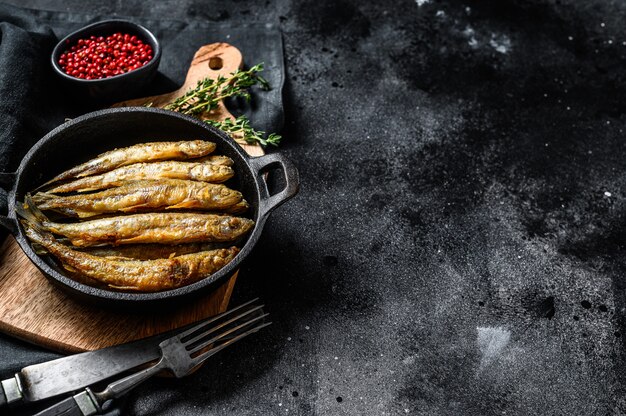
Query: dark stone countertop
(458, 245)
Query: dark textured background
(458, 243)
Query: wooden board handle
(210, 61)
(220, 58)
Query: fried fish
(152, 251)
(171, 169)
(154, 227)
(143, 152)
(134, 196)
(135, 275)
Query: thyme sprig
(209, 92)
(206, 96)
(240, 129)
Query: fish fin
(80, 214)
(39, 249)
(79, 171)
(59, 189)
(96, 188)
(46, 184)
(70, 268)
(43, 187)
(137, 239)
(135, 208)
(119, 258)
(123, 287)
(185, 204)
(75, 186)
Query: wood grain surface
(209, 61)
(33, 309)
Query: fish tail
(31, 214)
(42, 197)
(47, 186)
(25, 214)
(42, 240)
(44, 185)
(32, 206)
(34, 233)
(34, 209)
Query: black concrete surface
(458, 245)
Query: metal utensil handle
(10, 392)
(123, 386)
(6, 182)
(87, 403)
(292, 181)
(81, 404)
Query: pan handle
(292, 181)
(7, 179)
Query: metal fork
(180, 354)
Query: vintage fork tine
(219, 326)
(202, 357)
(213, 319)
(220, 336)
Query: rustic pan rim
(255, 166)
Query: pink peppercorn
(104, 57)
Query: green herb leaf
(240, 128)
(208, 93)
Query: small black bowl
(118, 87)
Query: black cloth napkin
(33, 101)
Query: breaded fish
(152, 251)
(143, 152)
(204, 172)
(161, 228)
(136, 196)
(136, 275)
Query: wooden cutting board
(32, 309)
